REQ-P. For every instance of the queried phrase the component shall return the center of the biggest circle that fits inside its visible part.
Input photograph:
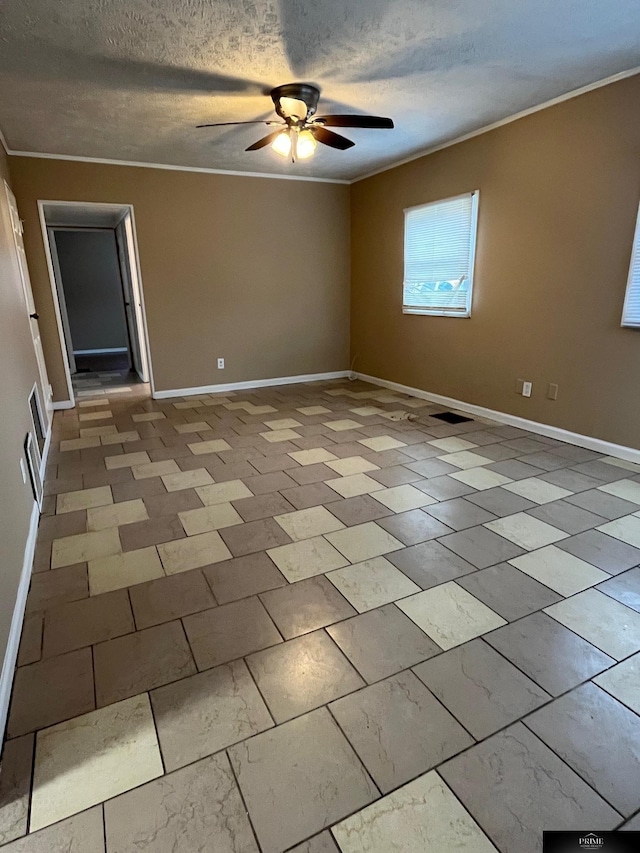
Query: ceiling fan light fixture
(306, 144)
(282, 143)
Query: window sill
(435, 313)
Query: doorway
(95, 280)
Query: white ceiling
(130, 79)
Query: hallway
(321, 615)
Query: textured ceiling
(130, 79)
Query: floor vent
(451, 418)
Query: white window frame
(447, 312)
(633, 287)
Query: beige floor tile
(465, 459)
(79, 443)
(354, 485)
(15, 787)
(479, 478)
(87, 404)
(403, 498)
(452, 444)
(155, 469)
(120, 437)
(148, 416)
(341, 426)
(193, 552)
(91, 758)
(602, 621)
(121, 570)
(559, 570)
(538, 491)
(306, 558)
(201, 426)
(219, 493)
(628, 490)
(187, 479)
(277, 435)
(381, 442)
(526, 531)
(88, 432)
(363, 542)
(84, 546)
(352, 465)
(208, 518)
(283, 423)
(125, 512)
(83, 499)
(83, 832)
(372, 583)
(313, 456)
(626, 529)
(127, 460)
(422, 816)
(213, 446)
(366, 411)
(313, 410)
(307, 523)
(103, 415)
(450, 615)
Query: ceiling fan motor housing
(301, 92)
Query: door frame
(141, 316)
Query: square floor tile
(565, 516)
(84, 546)
(50, 588)
(207, 712)
(193, 552)
(230, 631)
(499, 779)
(312, 494)
(121, 570)
(609, 625)
(341, 426)
(481, 546)
(559, 570)
(422, 816)
(381, 442)
(527, 532)
(450, 615)
(313, 410)
(597, 737)
(351, 465)
(298, 779)
(382, 642)
(626, 529)
(314, 456)
(452, 444)
(459, 513)
(429, 564)
(82, 623)
(500, 502)
(302, 674)
(91, 758)
(363, 542)
(399, 729)
(306, 606)
(623, 682)
(536, 490)
(603, 551)
(625, 588)
(628, 490)
(83, 499)
(113, 515)
(209, 518)
(508, 591)
(307, 523)
(51, 690)
(253, 536)
(550, 654)
(262, 506)
(403, 498)
(413, 527)
(306, 558)
(372, 583)
(479, 478)
(219, 493)
(480, 687)
(358, 510)
(170, 813)
(277, 435)
(465, 459)
(354, 485)
(243, 576)
(601, 503)
(169, 598)
(141, 661)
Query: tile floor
(294, 619)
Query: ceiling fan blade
(262, 143)
(333, 140)
(356, 121)
(227, 123)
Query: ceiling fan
(299, 132)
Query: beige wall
(18, 372)
(559, 194)
(250, 269)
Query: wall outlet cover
(526, 389)
(221, 364)
(552, 391)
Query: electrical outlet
(552, 391)
(519, 384)
(526, 389)
(221, 364)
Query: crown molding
(574, 93)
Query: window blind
(439, 250)
(631, 310)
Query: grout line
(225, 751)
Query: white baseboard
(252, 383)
(99, 351)
(62, 404)
(13, 644)
(607, 448)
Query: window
(439, 252)
(631, 310)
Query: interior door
(57, 274)
(132, 297)
(16, 225)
